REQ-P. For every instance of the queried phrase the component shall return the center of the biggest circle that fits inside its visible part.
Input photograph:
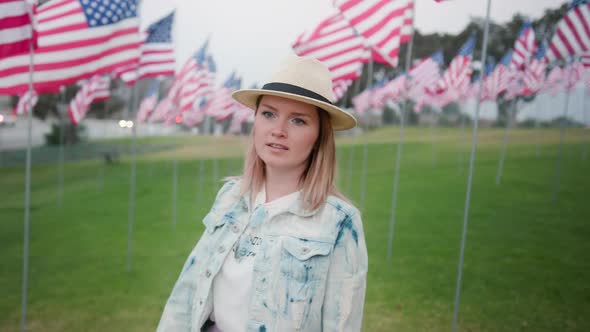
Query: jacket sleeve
(178, 312)
(347, 277)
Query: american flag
(23, 103)
(190, 83)
(340, 87)
(473, 89)
(222, 104)
(380, 22)
(196, 115)
(498, 77)
(554, 82)
(149, 102)
(424, 75)
(572, 35)
(585, 60)
(378, 95)
(362, 101)
(534, 74)
(76, 40)
(396, 88)
(16, 27)
(157, 53)
(162, 110)
(241, 114)
(408, 25)
(334, 43)
(94, 89)
(435, 99)
(378, 98)
(524, 46)
(195, 79)
(458, 74)
(573, 74)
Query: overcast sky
(252, 36)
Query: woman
(283, 250)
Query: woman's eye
(267, 114)
(298, 121)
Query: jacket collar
(295, 208)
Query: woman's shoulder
(230, 187)
(343, 205)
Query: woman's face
(285, 132)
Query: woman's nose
(280, 129)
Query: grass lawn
(526, 263)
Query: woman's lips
(277, 146)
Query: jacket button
(235, 228)
(304, 250)
(221, 249)
(207, 273)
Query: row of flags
(83, 40)
(88, 42)
(521, 72)
(358, 31)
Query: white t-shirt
(233, 284)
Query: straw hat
(302, 79)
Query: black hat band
(294, 89)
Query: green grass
(526, 262)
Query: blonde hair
(317, 181)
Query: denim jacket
(310, 273)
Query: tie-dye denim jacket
(310, 273)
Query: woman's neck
(279, 184)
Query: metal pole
(584, 120)
(200, 183)
(400, 143)
(131, 113)
(61, 151)
(215, 172)
(505, 141)
(561, 136)
(1, 149)
(432, 127)
(538, 106)
(461, 134)
(102, 164)
(132, 177)
(471, 166)
(23, 318)
(357, 87)
(174, 189)
(366, 145)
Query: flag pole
(200, 181)
(432, 128)
(461, 134)
(538, 106)
(132, 177)
(562, 135)
(1, 150)
(510, 113)
(585, 124)
(102, 164)
(131, 111)
(23, 321)
(471, 166)
(357, 88)
(365, 144)
(61, 149)
(400, 142)
(174, 187)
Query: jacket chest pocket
(303, 271)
